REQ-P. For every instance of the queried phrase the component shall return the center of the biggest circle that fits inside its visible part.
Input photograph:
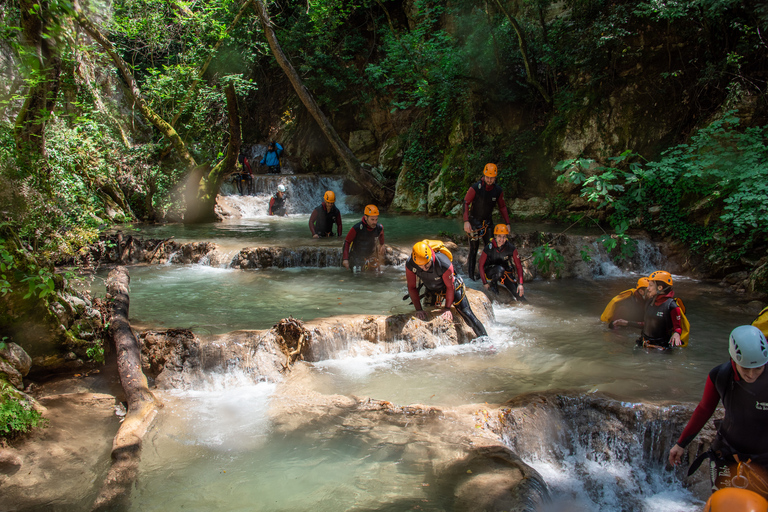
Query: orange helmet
(732, 498)
(422, 253)
(661, 275)
(490, 170)
(371, 210)
(500, 229)
(329, 197)
(643, 282)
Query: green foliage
(548, 260)
(722, 169)
(16, 417)
(96, 353)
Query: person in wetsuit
(324, 216)
(479, 202)
(360, 243)
(662, 321)
(628, 307)
(435, 270)
(244, 178)
(742, 385)
(277, 202)
(500, 264)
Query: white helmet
(748, 347)
(281, 188)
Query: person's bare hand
(620, 322)
(346, 264)
(315, 236)
(421, 314)
(676, 455)
(676, 341)
(467, 227)
(447, 315)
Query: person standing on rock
(739, 454)
(479, 202)
(323, 217)
(272, 158)
(277, 202)
(436, 272)
(360, 245)
(664, 324)
(628, 307)
(500, 264)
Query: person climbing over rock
(272, 158)
(664, 324)
(277, 202)
(739, 454)
(322, 218)
(628, 307)
(364, 245)
(500, 264)
(479, 202)
(436, 272)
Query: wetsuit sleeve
(413, 291)
(338, 223)
(481, 266)
(312, 219)
(348, 242)
(677, 315)
(247, 166)
(278, 150)
(518, 266)
(272, 203)
(703, 412)
(467, 201)
(449, 291)
(503, 209)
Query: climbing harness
(478, 233)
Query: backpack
(439, 246)
(611, 307)
(761, 322)
(684, 323)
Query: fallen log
(141, 403)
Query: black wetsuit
(480, 217)
(360, 243)
(501, 266)
(433, 282)
(277, 205)
(657, 323)
(321, 221)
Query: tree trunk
(360, 175)
(134, 92)
(529, 66)
(46, 68)
(207, 186)
(142, 407)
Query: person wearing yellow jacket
(628, 307)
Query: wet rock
(407, 199)
(363, 145)
(13, 375)
(16, 357)
(172, 349)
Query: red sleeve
(338, 223)
(410, 278)
(247, 166)
(312, 219)
(449, 291)
(703, 412)
(677, 320)
(503, 209)
(272, 203)
(481, 266)
(518, 266)
(348, 242)
(467, 201)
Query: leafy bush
(16, 417)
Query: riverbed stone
(16, 357)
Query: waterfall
(303, 194)
(645, 260)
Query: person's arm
(247, 166)
(413, 291)
(503, 210)
(312, 219)
(519, 268)
(272, 204)
(481, 266)
(468, 198)
(699, 418)
(449, 293)
(347, 244)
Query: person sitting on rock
(360, 249)
(628, 307)
(322, 218)
(272, 158)
(436, 272)
(664, 315)
(277, 202)
(739, 454)
(479, 202)
(500, 264)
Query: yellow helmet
(500, 229)
(490, 170)
(329, 197)
(643, 282)
(422, 253)
(661, 275)
(371, 210)
(731, 498)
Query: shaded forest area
(638, 115)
